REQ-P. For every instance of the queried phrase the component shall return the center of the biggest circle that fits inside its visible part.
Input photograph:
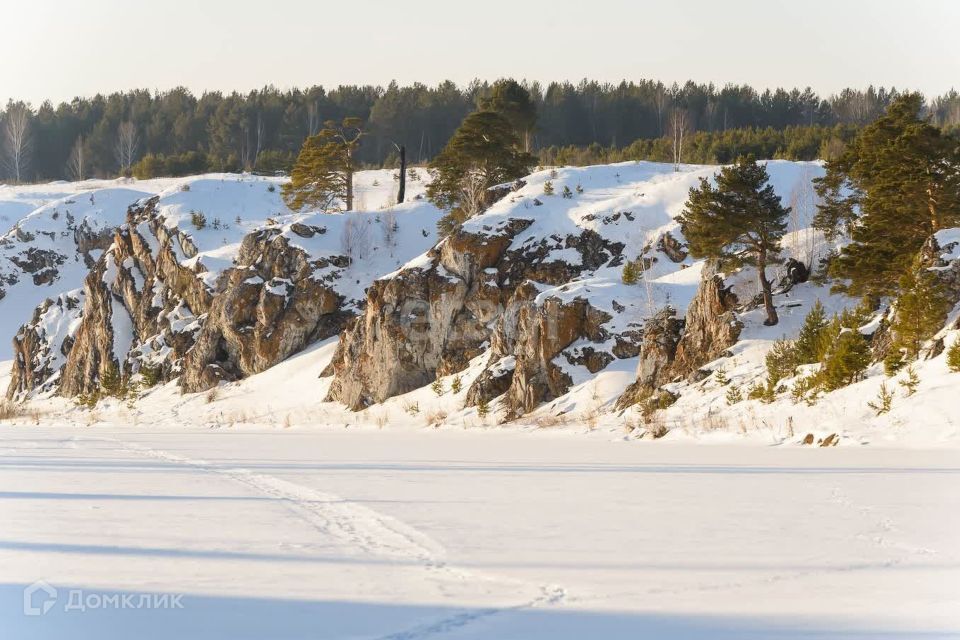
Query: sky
(58, 49)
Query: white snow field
(476, 533)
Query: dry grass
(381, 419)
(213, 394)
(436, 418)
(11, 410)
(655, 426)
(547, 421)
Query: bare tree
(660, 98)
(803, 207)
(389, 228)
(260, 130)
(16, 134)
(313, 119)
(355, 237)
(76, 164)
(679, 127)
(127, 143)
(473, 193)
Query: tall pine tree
(894, 186)
(512, 101)
(322, 176)
(739, 222)
(483, 152)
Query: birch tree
(679, 127)
(76, 164)
(16, 138)
(127, 143)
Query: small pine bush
(548, 188)
(953, 356)
(631, 272)
(456, 385)
(804, 389)
(198, 220)
(483, 408)
(883, 402)
(734, 395)
(579, 188)
(811, 343)
(921, 309)
(846, 360)
(566, 193)
(763, 391)
(111, 383)
(911, 382)
(893, 362)
(150, 376)
(437, 387)
(720, 377)
(782, 361)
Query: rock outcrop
(673, 350)
(145, 303)
(266, 309)
(487, 288)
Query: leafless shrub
(436, 418)
(355, 237)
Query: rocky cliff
(213, 294)
(532, 288)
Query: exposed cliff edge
(193, 294)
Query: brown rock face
(711, 326)
(673, 350)
(35, 361)
(544, 334)
(142, 307)
(264, 311)
(473, 293)
(135, 302)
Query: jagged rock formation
(487, 286)
(674, 350)
(265, 310)
(198, 298)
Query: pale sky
(57, 49)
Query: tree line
(176, 132)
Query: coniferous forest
(175, 132)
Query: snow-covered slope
(569, 250)
(149, 241)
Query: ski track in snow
(364, 529)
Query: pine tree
(810, 343)
(953, 356)
(740, 222)
(111, 383)
(781, 361)
(845, 360)
(513, 102)
(631, 272)
(481, 154)
(922, 308)
(548, 188)
(895, 185)
(323, 173)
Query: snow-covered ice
(473, 533)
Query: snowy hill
(522, 314)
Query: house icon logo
(37, 605)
